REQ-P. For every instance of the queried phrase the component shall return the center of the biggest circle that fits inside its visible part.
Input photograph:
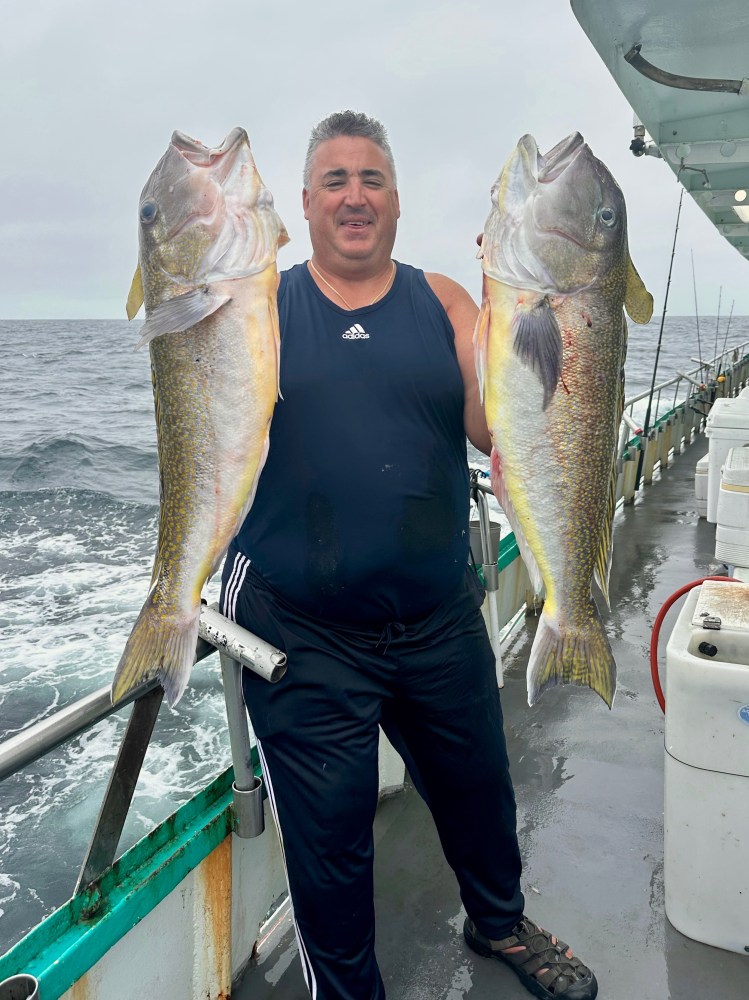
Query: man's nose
(355, 192)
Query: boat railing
(678, 406)
(237, 648)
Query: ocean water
(78, 521)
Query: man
(354, 561)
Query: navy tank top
(361, 512)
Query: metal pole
(491, 580)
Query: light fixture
(742, 212)
(740, 195)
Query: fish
(550, 344)
(208, 239)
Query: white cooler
(700, 485)
(727, 427)
(732, 515)
(706, 807)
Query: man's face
(351, 203)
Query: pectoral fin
(637, 299)
(180, 313)
(135, 295)
(538, 343)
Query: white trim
(309, 975)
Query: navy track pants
(432, 686)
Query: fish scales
(207, 275)
(551, 343)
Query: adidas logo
(356, 332)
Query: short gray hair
(348, 123)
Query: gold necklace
(348, 306)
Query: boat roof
(701, 133)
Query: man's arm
(462, 313)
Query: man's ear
(397, 205)
(305, 202)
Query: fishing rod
(696, 313)
(717, 324)
(725, 339)
(646, 427)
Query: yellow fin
(135, 295)
(637, 299)
(571, 656)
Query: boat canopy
(683, 67)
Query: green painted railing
(69, 942)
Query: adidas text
(356, 332)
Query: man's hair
(348, 123)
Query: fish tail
(160, 646)
(565, 656)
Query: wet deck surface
(589, 787)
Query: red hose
(657, 630)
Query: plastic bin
(700, 485)
(706, 781)
(727, 427)
(732, 518)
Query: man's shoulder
(448, 291)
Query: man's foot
(545, 965)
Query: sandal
(545, 965)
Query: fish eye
(607, 217)
(148, 211)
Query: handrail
(35, 741)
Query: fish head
(558, 222)
(205, 216)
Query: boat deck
(589, 788)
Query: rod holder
(249, 818)
(21, 987)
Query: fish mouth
(220, 158)
(558, 159)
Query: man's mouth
(356, 223)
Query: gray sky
(91, 93)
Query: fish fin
(180, 313)
(162, 465)
(283, 237)
(135, 295)
(276, 329)
(159, 646)
(481, 340)
(250, 496)
(503, 499)
(582, 657)
(637, 299)
(538, 343)
(605, 552)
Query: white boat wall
(182, 913)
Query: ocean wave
(81, 461)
